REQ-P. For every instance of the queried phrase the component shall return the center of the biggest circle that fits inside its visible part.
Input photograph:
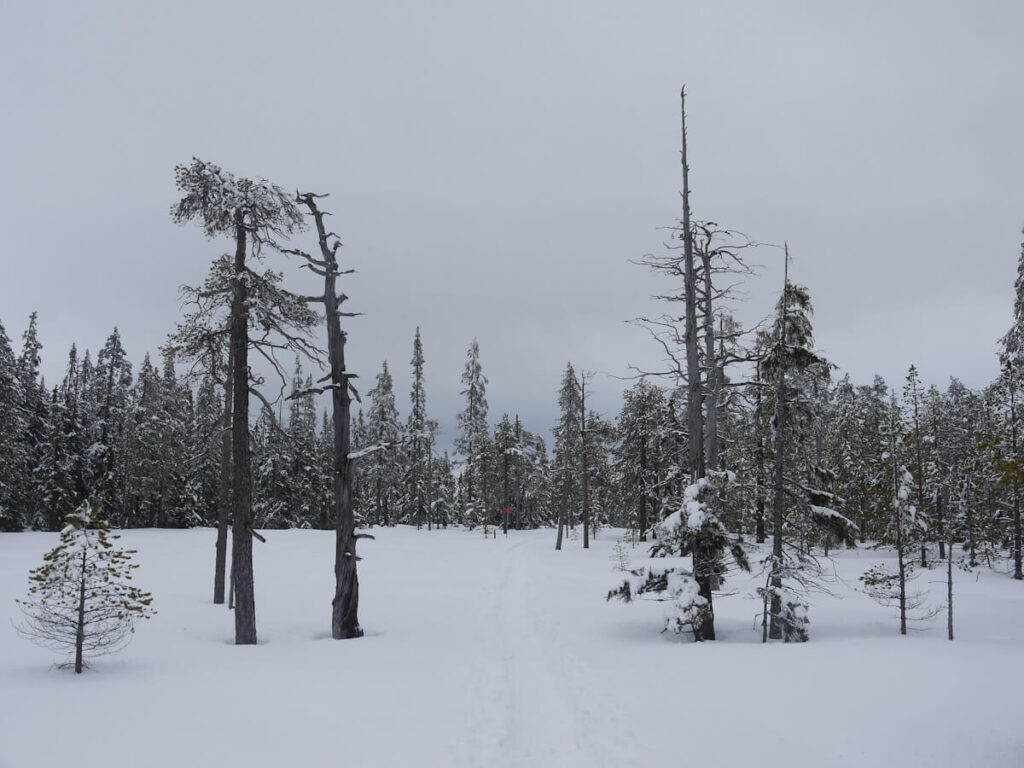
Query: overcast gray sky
(494, 166)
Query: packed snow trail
(532, 707)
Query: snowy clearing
(503, 652)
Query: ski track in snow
(532, 707)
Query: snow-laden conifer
(80, 600)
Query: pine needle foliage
(80, 599)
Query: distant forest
(144, 445)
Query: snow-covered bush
(694, 524)
(685, 609)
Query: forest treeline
(144, 446)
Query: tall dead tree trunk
(241, 482)
(345, 605)
(703, 557)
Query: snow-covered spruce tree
(1011, 465)
(28, 489)
(687, 610)
(641, 427)
(919, 455)
(62, 476)
(204, 452)
(304, 501)
(11, 427)
(600, 436)
(79, 600)
(419, 455)
(568, 451)
(271, 479)
(790, 368)
(508, 453)
(885, 585)
(156, 464)
(473, 436)
(382, 468)
(966, 467)
(111, 398)
(1003, 452)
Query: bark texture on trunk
(642, 517)
(224, 492)
(583, 456)
(80, 629)
(345, 605)
(241, 481)
(775, 629)
(703, 559)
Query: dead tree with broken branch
(345, 606)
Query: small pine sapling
(79, 600)
(888, 586)
(620, 555)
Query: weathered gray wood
(345, 605)
(703, 558)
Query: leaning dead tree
(345, 606)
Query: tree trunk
(504, 490)
(761, 481)
(920, 475)
(703, 561)
(241, 480)
(345, 605)
(430, 485)
(561, 517)
(80, 628)
(775, 630)
(224, 492)
(949, 585)
(642, 520)
(583, 457)
(899, 532)
(1015, 452)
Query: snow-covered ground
(503, 652)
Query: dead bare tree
(345, 605)
(704, 253)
